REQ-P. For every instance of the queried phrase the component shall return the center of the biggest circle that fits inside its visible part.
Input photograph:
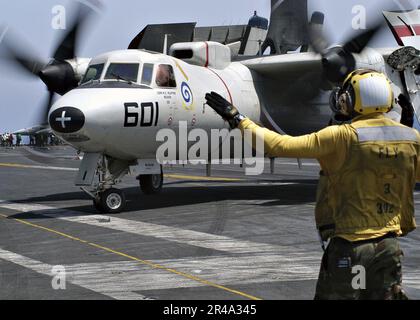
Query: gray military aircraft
(114, 105)
(38, 129)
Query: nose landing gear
(106, 198)
(109, 172)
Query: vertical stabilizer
(288, 26)
(405, 26)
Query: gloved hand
(405, 103)
(407, 114)
(224, 108)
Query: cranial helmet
(362, 92)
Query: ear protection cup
(349, 102)
(336, 107)
(334, 100)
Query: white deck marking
(225, 270)
(120, 279)
(174, 234)
(27, 166)
(5, 154)
(91, 282)
(411, 278)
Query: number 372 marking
(148, 114)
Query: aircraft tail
(405, 26)
(289, 26)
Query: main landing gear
(151, 183)
(108, 199)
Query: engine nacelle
(203, 54)
(79, 66)
(370, 59)
(63, 76)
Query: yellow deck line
(145, 262)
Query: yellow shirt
(330, 146)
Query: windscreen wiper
(119, 77)
(90, 82)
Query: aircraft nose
(66, 120)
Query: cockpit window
(122, 71)
(147, 75)
(94, 72)
(165, 76)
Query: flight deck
(228, 236)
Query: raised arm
(316, 145)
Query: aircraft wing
(45, 157)
(286, 67)
(39, 129)
(293, 79)
(285, 80)
(44, 131)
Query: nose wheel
(110, 201)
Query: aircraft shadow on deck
(302, 192)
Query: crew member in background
(10, 140)
(18, 139)
(364, 199)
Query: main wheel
(152, 183)
(111, 201)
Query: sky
(21, 97)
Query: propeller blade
(317, 38)
(17, 52)
(66, 49)
(43, 115)
(359, 42)
(58, 74)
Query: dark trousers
(362, 270)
